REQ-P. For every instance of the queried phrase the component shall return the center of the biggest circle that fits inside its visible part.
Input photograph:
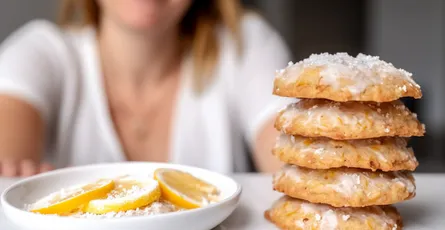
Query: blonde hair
(197, 29)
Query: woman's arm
(265, 141)
(28, 91)
(265, 52)
(21, 137)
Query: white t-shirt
(58, 72)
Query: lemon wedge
(129, 193)
(184, 190)
(67, 200)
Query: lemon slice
(67, 200)
(185, 190)
(129, 193)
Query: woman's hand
(21, 137)
(23, 168)
(265, 161)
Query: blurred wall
(316, 26)
(14, 13)
(410, 33)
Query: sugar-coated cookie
(340, 77)
(294, 214)
(345, 187)
(348, 120)
(386, 153)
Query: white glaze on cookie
(348, 181)
(329, 148)
(348, 120)
(328, 114)
(328, 218)
(290, 171)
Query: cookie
(345, 187)
(294, 214)
(386, 154)
(340, 77)
(348, 120)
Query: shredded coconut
(115, 194)
(56, 196)
(153, 209)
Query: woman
(178, 81)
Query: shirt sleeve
(265, 52)
(29, 67)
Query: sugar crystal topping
(361, 71)
(361, 62)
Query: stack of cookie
(344, 143)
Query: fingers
(24, 168)
(9, 168)
(45, 167)
(28, 168)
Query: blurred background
(408, 33)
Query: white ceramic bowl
(33, 188)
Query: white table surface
(425, 211)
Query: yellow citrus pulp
(128, 194)
(67, 200)
(184, 190)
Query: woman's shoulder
(36, 64)
(257, 38)
(255, 33)
(253, 26)
(263, 51)
(253, 29)
(35, 31)
(42, 35)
